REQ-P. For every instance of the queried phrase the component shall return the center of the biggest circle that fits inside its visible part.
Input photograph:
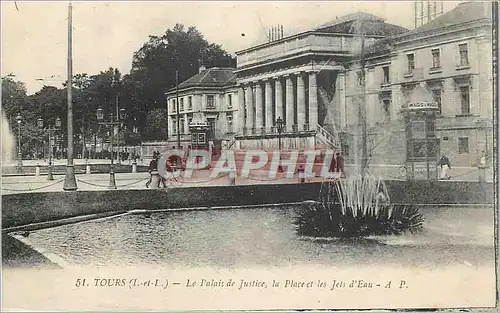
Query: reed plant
(356, 207)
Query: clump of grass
(356, 208)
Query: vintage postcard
(232, 155)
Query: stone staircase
(325, 137)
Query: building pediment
(462, 81)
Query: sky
(106, 34)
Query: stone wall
(22, 209)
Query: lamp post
(110, 123)
(280, 128)
(50, 130)
(70, 179)
(19, 120)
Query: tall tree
(154, 68)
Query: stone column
(289, 104)
(186, 124)
(249, 108)
(313, 101)
(258, 108)
(170, 126)
(269, 106)
(342, 99)
(301, 102)
(279, 99)
(240, 121)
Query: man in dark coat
(153, 167)
(340, 165)
(445, 164)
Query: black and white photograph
(249, 155)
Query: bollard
(134, 166)
(112, 181)
(482, 173)
(37, 170)
(155, 180)
(87, 167)
(232, 179)
(49, 171)
(301, 174)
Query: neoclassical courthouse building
(313, 82)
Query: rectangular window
(463, 145)
(173, 106)
(419, 149)
(174, 126)
(359, 78)
(464, 100)
(418, 129)
(386, 103)
(387, 78)
(190, 103)
(210, 101)
(211, 125)
(182, 104)
(436, 58)
(229, 102)
(229, 122)
(411, 62)
(201, 138)
(436, 93)
(464, 54)
(181, 126)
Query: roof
(464, 13)
(347, 24)
(211, 77)
(351, 23)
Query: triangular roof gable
(420, 94)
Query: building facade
(213, 93)
(326, 83)
(296, 79)
(451, 57)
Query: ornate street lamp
(19, 120)
(280, 127)
(50, 131)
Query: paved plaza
(13, 183)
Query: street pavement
(201, 178)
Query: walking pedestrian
(340, 165)
(153, 167)
(445, 165)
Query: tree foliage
(141, 93)
(155, 64)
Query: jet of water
(7, 145)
